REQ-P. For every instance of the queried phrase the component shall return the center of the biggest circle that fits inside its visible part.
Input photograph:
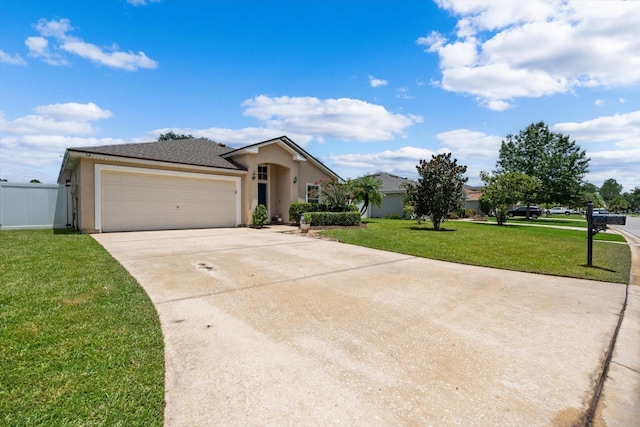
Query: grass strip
(541, 250)
(80, 342)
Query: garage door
(143, 201)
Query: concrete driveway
(266, 328)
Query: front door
(262, 194)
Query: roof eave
(79, 154)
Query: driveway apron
(267, 328)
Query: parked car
(534, 212)
(600, 211)
(558, 210)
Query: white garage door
(143, 201)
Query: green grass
(542, 250)
(562, 221)
(80, 342)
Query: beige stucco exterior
(289, 173)
(283, 169)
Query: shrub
(260, 216)
(332, 218)
(393, 216)
(297, 209)
(466, 213)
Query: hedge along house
(190, 183)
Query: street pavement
(632, 226)
(619, 403)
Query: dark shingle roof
(391, 183)
(198, 152)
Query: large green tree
(366, 189)
(610, 190)
(633, 198)
(589, 193)
(439, 189)
(171, 136)
(552, 157)
(507, 189)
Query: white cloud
(403, 93)
(57, 31)
(32, 146)
(621, 129)
(467, 144)
(402, 161)
(614, 146)
(56, 119)
(74, 111)
(124, 60)
(600, 102)
(39, 48)
(346, 119)
(141, 2)
(507, 50)
(377, 82)
(7, 58)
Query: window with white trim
(263, 172)
(313, 193)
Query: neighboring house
(192, 183)
(472, 198)
(394, 191)
(393, 187)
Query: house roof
(192, 152)
(473, 192)
(391, 183)
(296, 151)
(195, 152)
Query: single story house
(394, 192)
(393, 187)
(472, 198)
(190, 183)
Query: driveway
(266, 328)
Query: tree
(35, 181)
(439, 189)
(170, 136)
(335, 195)
(367, 190)
(3, 180)
(551, 157)
(507, 189)
(610, 190)
(589, 193)
(618, 203)
(633, 198)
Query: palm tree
(367, 190)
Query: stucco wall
(391, 204)
(283, 168)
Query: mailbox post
(596, 223)
(590, 234)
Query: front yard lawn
(80, 342)
(543, 220)
(542, 250)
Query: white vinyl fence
(35, 206)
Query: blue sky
(365, 86)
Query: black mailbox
(609, 220)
